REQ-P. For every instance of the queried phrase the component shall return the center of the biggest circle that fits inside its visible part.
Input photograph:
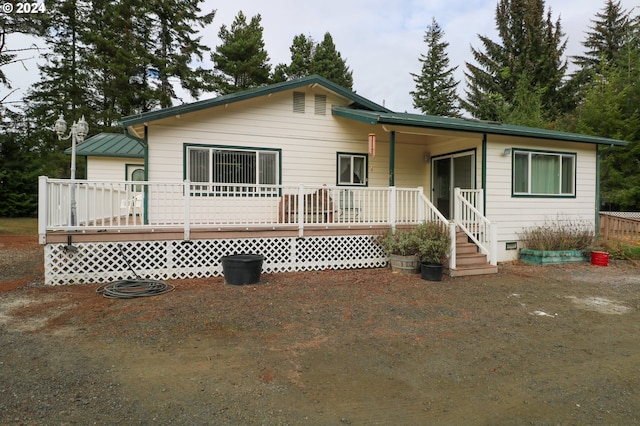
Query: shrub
(433, 242)
(402, 242)
(559, 235)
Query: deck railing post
(301, 212)
(457, 205)
(187, 209)
(452, 238)
(420, 204)
(43, 208)
(393, 207)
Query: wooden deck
(205, 233)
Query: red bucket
(599, 258)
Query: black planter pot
(431, 271)
(239, 269)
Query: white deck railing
(143, 205)
(469, 218)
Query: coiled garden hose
(128, 289)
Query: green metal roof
(357, 100)
(109, 145)
(466, 125)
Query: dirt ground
(554, 345)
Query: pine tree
(532, 47)
(435, 92)
(328, 63)
(241, 61)
(302, 51)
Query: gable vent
(321, 105)
(298, 102)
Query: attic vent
(298, 102)
(321, 105)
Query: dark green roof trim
(358, 101)
(109, 145)
(466, 125)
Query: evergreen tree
(328, 63)
(302, 52)
(435, 92)
(532, 47)
(610, 31)
(241, 61)
(175, 29)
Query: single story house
(306, 173)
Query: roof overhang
(465, 125)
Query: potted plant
(433, 247)
(402, 247)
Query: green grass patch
(20, 225)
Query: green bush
(429, 240)
(559, 235)
(433, 242)
(403, 242)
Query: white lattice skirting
(102, 262)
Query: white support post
(493, 256)
(457, 205)
(43, 208)
(301, 212)
(393, 212)
(452, 237)
(421, 213)
(187, 209)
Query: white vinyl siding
(513, 214)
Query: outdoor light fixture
(506, 152)
(79, 131)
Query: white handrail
(474, 224)
(122, 204)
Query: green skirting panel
(540, 257)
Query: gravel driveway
(530, 345)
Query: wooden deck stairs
(468, 260)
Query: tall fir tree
(241, 61)
(611, 30)
(435, 92)
(328, 63)
(531, 46)
(177, 45)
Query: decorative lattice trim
(101, 262)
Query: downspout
(392, 158)
(484, 174)
(598, 159)
(146, 174)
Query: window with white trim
(548, 174)
(232, 171)
(352, 169)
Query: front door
(447, 173)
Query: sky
(380, 40)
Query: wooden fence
(619, 228)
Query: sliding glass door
(449, 172)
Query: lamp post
(77, 134)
